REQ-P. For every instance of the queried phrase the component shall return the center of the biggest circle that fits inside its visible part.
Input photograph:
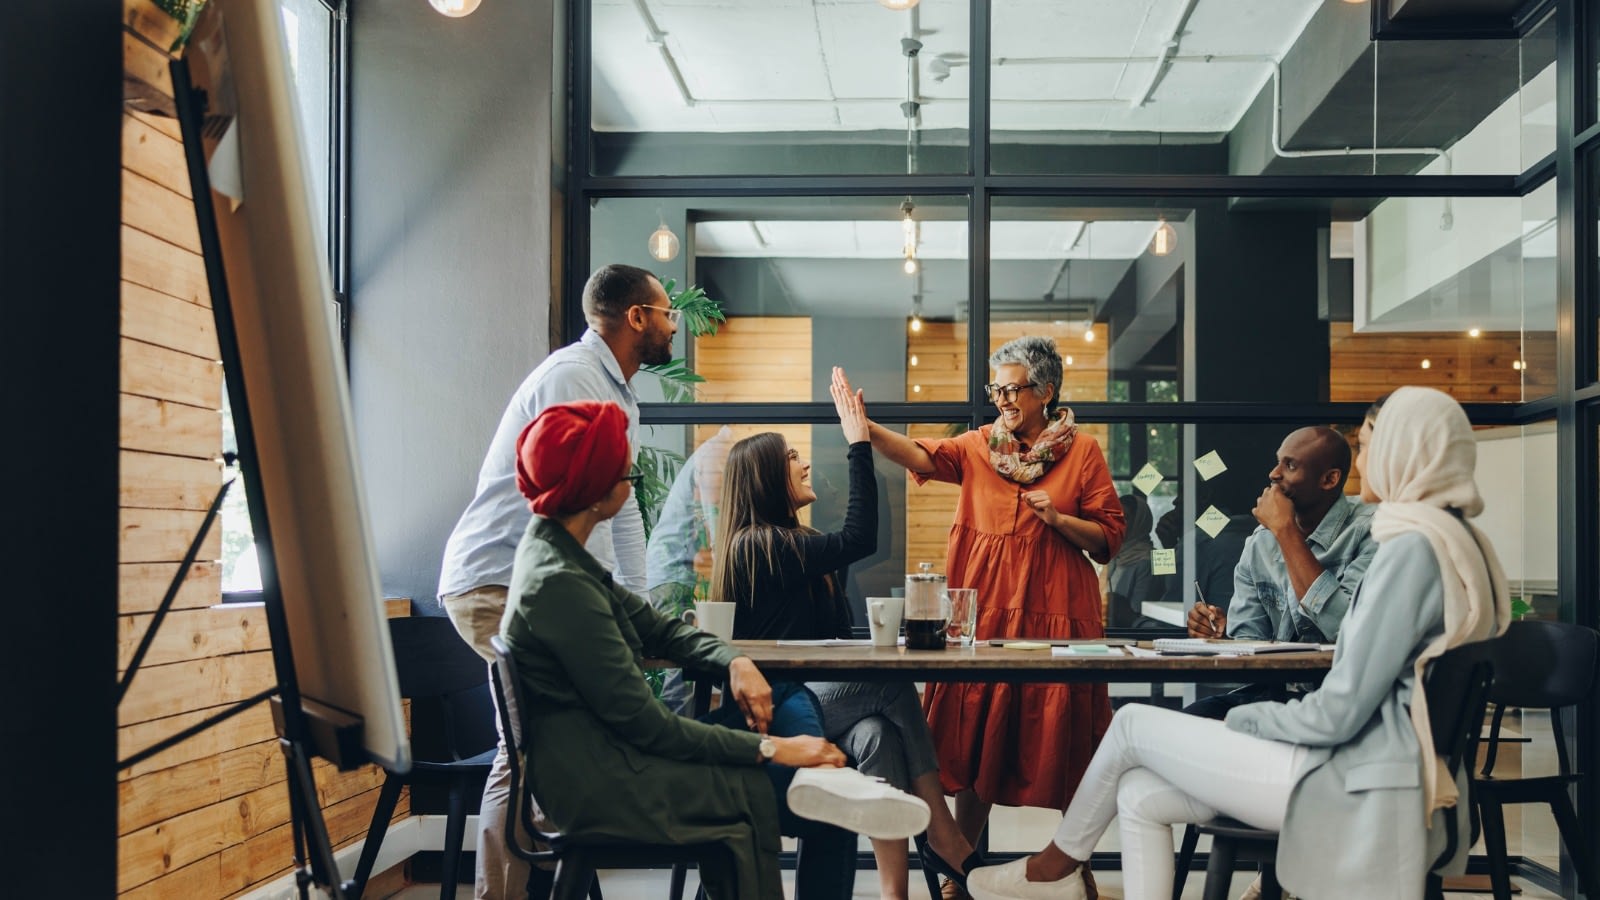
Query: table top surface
(983, 662)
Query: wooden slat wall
(751, 359)
(1361, 367)
(209, 817)
(940, 373)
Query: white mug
(712, 618)
(883, 619)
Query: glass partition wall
(1234, 217)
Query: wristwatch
(768, 749)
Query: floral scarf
(1025, 466)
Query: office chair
(576, 858)
(1457, 686)
(442, 677)
(1548, 666)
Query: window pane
(779, 88)
(807, 284)
(308, 27)
(1249, 87)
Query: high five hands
(852, 407)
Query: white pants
(1156, 768)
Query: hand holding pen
(1206, 620)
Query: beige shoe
(1253, 892)
(949, 890)
(1010, 882)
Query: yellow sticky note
(1147, 479)
(1163, 562)
(1210, 466)
(1212, 521)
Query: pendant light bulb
(898, 4)
(916, 323)
(663, 244)
(455, 9)
(911, 265)
(1165, 238)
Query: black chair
(1457, 686)
(446, 682)
(576, 858)
(1538, 666)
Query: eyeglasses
(674, 315)
(1010, 391)
(633, 478)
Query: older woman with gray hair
(1036, 504)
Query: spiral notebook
(1216, 647)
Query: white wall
(1517, 477)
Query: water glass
(963, 615)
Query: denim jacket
(1264, 605)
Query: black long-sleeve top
(802, 596)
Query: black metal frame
(1575, 405)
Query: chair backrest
(1542, 665)
(445, 679)
(506, 684)
(1457, 685)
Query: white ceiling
(836, 65)
(936, 240)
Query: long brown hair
(757, 513)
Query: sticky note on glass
(1210, 466)
(1147, 479)
(1212, 521)
(1163, 562)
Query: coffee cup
(712, 618)
(883, 619)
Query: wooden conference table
(981, 662)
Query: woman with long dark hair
(787, 581)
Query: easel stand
(304, 727)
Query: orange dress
(1022, 745)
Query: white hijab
(1421, 465)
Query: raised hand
(1042, 506)
(852, 407)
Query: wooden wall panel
(1361, 367)
(209, 816)
(157, 425)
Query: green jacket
(608, 758)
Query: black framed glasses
(1009, 391)
(633, 478)
(673, 314)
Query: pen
(1200, 597)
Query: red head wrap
(571, 456)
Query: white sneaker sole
(886, 815)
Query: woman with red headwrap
(608, 758)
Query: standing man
(1301, 567)
(631, 324)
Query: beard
(657, 349)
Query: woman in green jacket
(607, 757)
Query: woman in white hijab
(1348, 775)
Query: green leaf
(1520, 608)
(700, 313)
(659, 468)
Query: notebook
(1215, 647)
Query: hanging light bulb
(916, 313)
(1474, 332)
(908, 236)
(1427, 364)
(916, 322)
(1088, 334)
(1165, 238)
(898, 4)
(455, 9)
(663, 243)
(1068, 359)
(913, 359)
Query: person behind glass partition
(1356, 751)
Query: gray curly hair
(1038, 355)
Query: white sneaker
(856, 802)
(1010, 882)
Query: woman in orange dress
(1036, 503)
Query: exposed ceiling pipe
(1050, 289)
(1277, 141)
(911, 48)
(1169, 47)
(654, 35)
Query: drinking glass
(963, 615)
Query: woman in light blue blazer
(1348, 774)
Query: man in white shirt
(631, 324)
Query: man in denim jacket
(1303, 563)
